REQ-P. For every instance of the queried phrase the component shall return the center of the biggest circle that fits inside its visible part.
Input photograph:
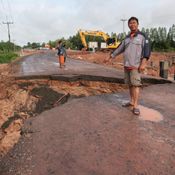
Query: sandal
(128, 104)
(136, 111)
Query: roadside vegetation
(8, 52)
(7, 57)
(161, 38)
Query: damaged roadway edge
(35, 96)
(74, 77)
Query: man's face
(133, 25)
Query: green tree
(76, 42)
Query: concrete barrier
(164, 65)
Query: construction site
(81, 94)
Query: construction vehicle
(111, 43)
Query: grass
(7, 57)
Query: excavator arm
(111, 42)
(83, 39)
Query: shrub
(7, 57)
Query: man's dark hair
(133, 18)
(60, 41)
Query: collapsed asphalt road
(94, 135)
(97, 136)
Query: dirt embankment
(152, 65)
(21, 99)
(12, 99)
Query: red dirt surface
(98, 57)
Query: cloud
(163, 14)
(44, 20)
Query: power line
(10, 10)
(6, 10)
(2, 9)
(2, 4)
(8, 28)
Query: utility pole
(8, 27)
(123, 20)
(14, 45)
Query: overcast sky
(44, 20)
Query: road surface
(97, 136)
(45, 65)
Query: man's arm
(146, 54)
(142, 65)
(117, 51)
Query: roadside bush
(7, 57)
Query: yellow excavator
(111, 43)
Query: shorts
(132, 77)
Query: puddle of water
(150, 114)
(145, 112)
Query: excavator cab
(110, 41)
